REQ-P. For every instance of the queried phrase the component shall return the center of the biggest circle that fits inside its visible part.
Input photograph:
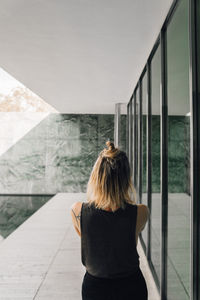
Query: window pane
(127, 132)
(178, 155)
(155, 152)
(122, 127)
(136, 140)
(144, 149)
(130, 134)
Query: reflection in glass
(155, 152)
(178, 155)
(14, 210)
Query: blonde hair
(110, 183)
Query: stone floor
(41, 259)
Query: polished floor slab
(41, 259)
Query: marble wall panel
(22, 167)
(89, 126)
(123, 133)
(144, 156)
(178, 154)
(105, 130)
(57, 155)
(187, 156)
(156, 154)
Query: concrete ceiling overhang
(80, 56)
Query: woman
(109, 224)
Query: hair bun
(111, 151)
(110, 145)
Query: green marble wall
(57, 155)
(123, 133)
(144, 156)
(155, 154)
(179, 154)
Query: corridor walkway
(41, 259)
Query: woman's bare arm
(76, 214)
(142, 217)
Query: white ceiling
(80, 56)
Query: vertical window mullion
(140, 132)
(134, 140)
(149, 163)
(127, 131)
(194, 32)
(130, 135)
(164, 166)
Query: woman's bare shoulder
(143, 211)
(76, 207)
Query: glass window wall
(155, 153)
(178, 154)
(180, 93)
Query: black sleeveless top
(108, 245)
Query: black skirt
(127, 288)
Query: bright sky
(7, 82)
(14, 125)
